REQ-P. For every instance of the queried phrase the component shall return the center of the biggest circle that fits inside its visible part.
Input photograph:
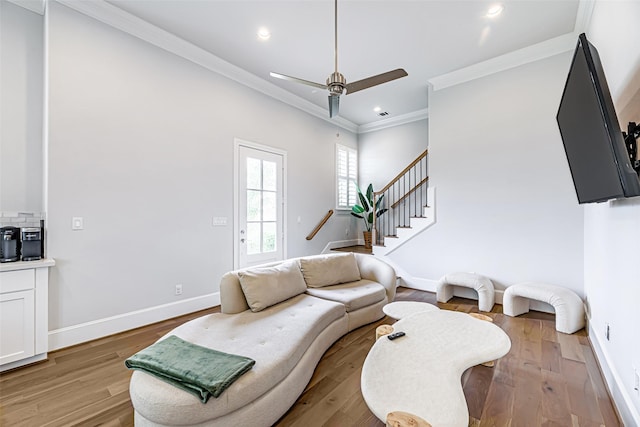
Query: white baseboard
(621, 398)
(430, 285)
(76, 334)
(419, 283)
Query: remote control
(395, 335)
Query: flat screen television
(594, 144)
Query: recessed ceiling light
(495, 10)
(264, 33)
(377, 109)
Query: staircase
(403, 234)
(411, 210)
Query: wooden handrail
(401, 174)
(409, 192)
(319, 226)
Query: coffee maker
(31, 238)
(9, 244)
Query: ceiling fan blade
(297, 80)
(334, 105)
(375, 80)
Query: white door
(260, 207)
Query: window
(346, 176)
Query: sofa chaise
(284, 315)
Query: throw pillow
(267, 286)
(329, 270)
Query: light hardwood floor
(547, 379)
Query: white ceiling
(428, 38)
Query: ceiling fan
(337, 84)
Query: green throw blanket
(198, 370)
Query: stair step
(356, 248)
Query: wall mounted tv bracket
(630, 137)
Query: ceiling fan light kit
(337, 84)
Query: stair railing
(404, 197)
(322, 222)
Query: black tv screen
(591, 134)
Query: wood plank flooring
(547, 379)
(357, 249)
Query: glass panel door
(260, 208)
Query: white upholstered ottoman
(568, 305)
(483, 285)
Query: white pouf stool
(483, 285)
(568, 305)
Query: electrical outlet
(606, 331)
(636, 381)
(77, 223)
(178, 289)
(346, 231)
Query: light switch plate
(219, 221)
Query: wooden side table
(486, 318)
(383, 330)
(405, 419)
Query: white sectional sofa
(284, 316)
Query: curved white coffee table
(401, 309)
(421, 372)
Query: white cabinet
(17, 319)
(23, 312)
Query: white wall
(21, 82)
(505, 204)
(612, 230)
(386, 152)
(141, 146)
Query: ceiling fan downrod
(336, 82)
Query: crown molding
(505, 62)
(394, 121)
(583, 18)
(36, 6)
(536, 52)
(130, 24)
(124, 21)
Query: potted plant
(364, 211)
